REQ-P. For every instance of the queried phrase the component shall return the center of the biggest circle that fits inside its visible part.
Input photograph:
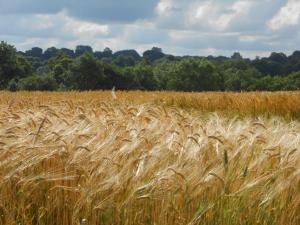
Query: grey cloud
(141, 35)
(120, 10)
(96, 10)
(31, 6)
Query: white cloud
(206, 9)
(252, 38)
(287, 16)
(39, 22)
(59, 30)
(238, 9)
(61, 24)
(84, 29)
(71, 25)
(217, 15)
(202, 14)
(164, 6)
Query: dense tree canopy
(153, 54)
(12, 65)
(86, 69)
(194, 75)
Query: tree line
(85, 69)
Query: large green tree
(194, 75)
(12, 65)
(153, 54)
(87, 73)
(45, 82)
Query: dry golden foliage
(283, 104)
(143, 158)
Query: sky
(180, 27)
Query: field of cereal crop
(149, 158)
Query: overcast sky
(195, 27)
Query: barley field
(162, 158)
